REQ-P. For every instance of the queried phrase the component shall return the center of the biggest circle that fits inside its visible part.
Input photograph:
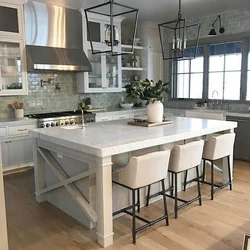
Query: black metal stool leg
(138, 200)
(198, 185)
(175, 195)
(204, 170)
(212, 180)
(133, 211)
(229, 173)
(185, 180)
(165, 201)
(172, 184)
(149, 187)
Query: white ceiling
(163, 10)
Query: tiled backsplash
(47, 99)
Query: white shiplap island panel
(73, 168)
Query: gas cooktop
(65, 118)
(57, 114)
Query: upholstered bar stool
(218, 147)
(182, 158)
(140, 172)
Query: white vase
(155, 111)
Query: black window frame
(206, 42)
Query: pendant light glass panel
(114, 14)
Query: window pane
(215, 90)
(233, 56)
(217, 49)
(232, 86)
(248, 86)
(197, 65)
(183, 86)
(216, 63)
(183, 66)
(233, 62)
(196, 86)
(249, 58)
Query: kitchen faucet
(217, 93)
(77, 107)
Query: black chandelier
(221, 30)
(112, 10)
(181, 31)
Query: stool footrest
(195, 179)
(186, 203)
(123, 210)
(159, 193)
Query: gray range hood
(54, 38)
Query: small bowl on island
(126, 105)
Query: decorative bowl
(126, 105)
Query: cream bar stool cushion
(145, 170)
(184, 157)
(219, 146)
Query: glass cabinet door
(11, 77)
(95, 32)
(95, 80)
(112, 73)
(10, 19)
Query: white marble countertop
(116, 137)
(16, 122)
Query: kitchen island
(73, 167)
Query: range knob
(67, 123)
(52, 124)
(57, 124)
(42, 126)
(71, 122)
(47, 125)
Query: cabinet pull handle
(20, 130)
(122, 117)
(136, 115)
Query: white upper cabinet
(105, 75)
(106, 69)
(13, 75)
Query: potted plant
(152, 93)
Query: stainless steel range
(57, 119)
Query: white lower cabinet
(16, 146)
(16, 152)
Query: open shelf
(132, 69)
(130, 47)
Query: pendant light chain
(179, 14)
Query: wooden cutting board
(149, 124)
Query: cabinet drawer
(21, 130)
(138, 115)
(3, 132)
(121, 117)
(104, 119)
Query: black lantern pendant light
(112, 10)
(181, 31)
(221, 30)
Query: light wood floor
(217, 225)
